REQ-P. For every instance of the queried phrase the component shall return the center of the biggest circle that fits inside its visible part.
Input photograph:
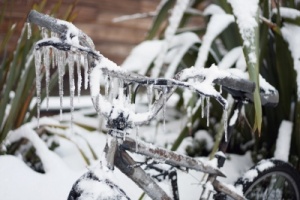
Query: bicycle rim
(273, 185)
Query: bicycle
(269, 179)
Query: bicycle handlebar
(200, 81)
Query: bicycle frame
(116, 155)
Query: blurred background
(114, 40)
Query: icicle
(86, 68)
(53, 34)
(61, 71)
(29, 31)
(38, 60)
(150, 96)
(202, 105)
(112, 88)
(221, 89)
(164, 109)
(44, 33)
(207, 110)
(107, 83)
(46, 59)
(225, 113)
(79, 79)
(129, 94)
(53, 52)
(136, 138)
(121, 91)
(71, 85)
(57, 55)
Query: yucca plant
(17, 81)
(256, 42)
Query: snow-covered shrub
(17, 89)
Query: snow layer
(19, 182)
(231, 58)
(174, 21)
(283, 142)
(246, 12)
(290, 33)
(218, 22)
(287, 12)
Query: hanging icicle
(202, 105)
(53, 51)
(136, 138)
(71, 85)
(225, 113)
(86, 68)
(29, 31)
(79, 78)
(46, 59)
(207, 110)
(38, 63)
(128, 94)
(44, 33)
(61, 71)
(107, 83)
(164, 108)
(121, 91)
(150, 96)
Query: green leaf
(159, 19)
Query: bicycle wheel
(271, 179)
(90, 187)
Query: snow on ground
(18, 181)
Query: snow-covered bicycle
(269, 179)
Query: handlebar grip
(242, 85)
(242, 88)
(47, 22)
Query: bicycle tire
(270, 179)
(84, 188)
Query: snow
(50, 160)
(210, 74)
(264, 165)
(217, 24)
(142, 56)
(184, 41)
(260, 167)
(250, 175)
(231, 58)
(60, 181)
(283, 142)
(233, 119)
(174, 21)
(66, 164)
(245, 12)
(134, 16)
(18, 181)
(290, 33)
(213, 9)
(287, 12)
